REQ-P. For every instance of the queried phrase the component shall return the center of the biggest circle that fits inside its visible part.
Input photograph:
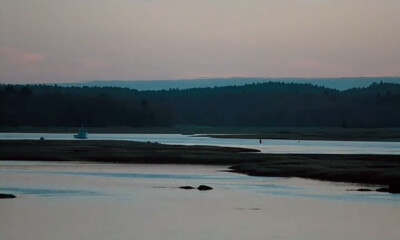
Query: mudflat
(371, 169)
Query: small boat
(82, 134)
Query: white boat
(82, 134)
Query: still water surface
(119, 201)
(267, 146)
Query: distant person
(260, 141)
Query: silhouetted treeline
(267, 104)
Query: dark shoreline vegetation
(366, 169)
(271, 104)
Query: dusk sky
(43, 41)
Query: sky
(51, 41)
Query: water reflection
(164, 178)
(50, 192)
(65, 201)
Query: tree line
(271, 104)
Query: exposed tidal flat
(356, 168)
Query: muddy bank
(371, 169)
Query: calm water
(268, 146)
(118, 201)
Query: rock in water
(186, 187)
(204, 188)
(3, 195)
(364, 190)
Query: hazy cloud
(57, 41)
(17, 57)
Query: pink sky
(81, 40)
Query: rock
(186, 187)
(3, 195)
(364, 190)
(360, 190)
(41, 138)
(204, 188)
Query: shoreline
(364, 169)
(289, 133)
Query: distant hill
(333, 83)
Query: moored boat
(82, 134)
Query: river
(267, 146)
(62, 201)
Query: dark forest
(271, 104)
